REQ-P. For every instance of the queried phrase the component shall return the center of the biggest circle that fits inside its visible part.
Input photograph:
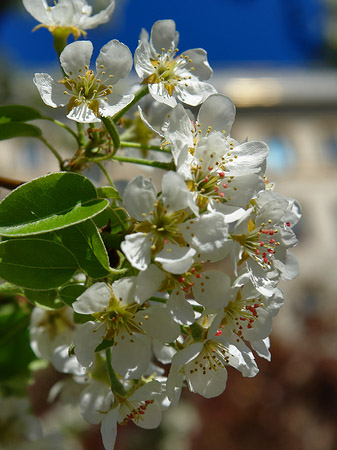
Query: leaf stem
(112, 130)
(60, 41)
(10, 184)
(157, 148)
(61, 124)
(116, 385)
(107, 176)
(138, 95)
(52, 149)
(81, 137)
(144, 162)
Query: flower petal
(38, 9)
(75, 57)
(65, 363)
(114, 104)
(52, 93)
(87, 337)
(137, 249)
(95, 400)
(158, 322)
(209, 383)
(195, 92)
(175, 259)
(143, 64)
(114, 59)
(175, 193)
(160, 93)
(148, 282)
(94, 299)
(137, 349)
(151, 417)
(209, 236)
(99, 18)
(180, 309)
(164, 35)
(109, 429)
(197, 58)
(139, 197)
(212, 290)
(218, 112)
(83, 114)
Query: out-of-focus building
(295, 112)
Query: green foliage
(48, 203)
(36, 263)
(12, 118)
(14, 340)
(85, 242)
(44, 299)
(112, 220)
(108, 192)
(9, 130)
(70, 293)
(18, 113)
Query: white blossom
(157, 231)
(143, 406)
(166, 74)
(203, 364)
(114, 309)
(222, 174)
(88, 95)
(76, 15)
(262, 237)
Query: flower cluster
(200, 257)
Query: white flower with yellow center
(74, 15)
(50, 329)
(221, 173)
(248, 315)
(142, 406)
(119, 319)
(159, 220)
(88, 95)
(262, 237)
(168, 75)
(203, 364)
(114, 311)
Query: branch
(10, 184)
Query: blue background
(234, 32)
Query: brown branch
(10, 184)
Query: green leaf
(44, 299)
(36, 263)
(86, 244)
(15, 351)
(48, 203)
(70, 293)
(9, 130)
(108, 192)
(18, 113)
(113, 219)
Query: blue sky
(234, 32)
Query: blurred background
(277, 60)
